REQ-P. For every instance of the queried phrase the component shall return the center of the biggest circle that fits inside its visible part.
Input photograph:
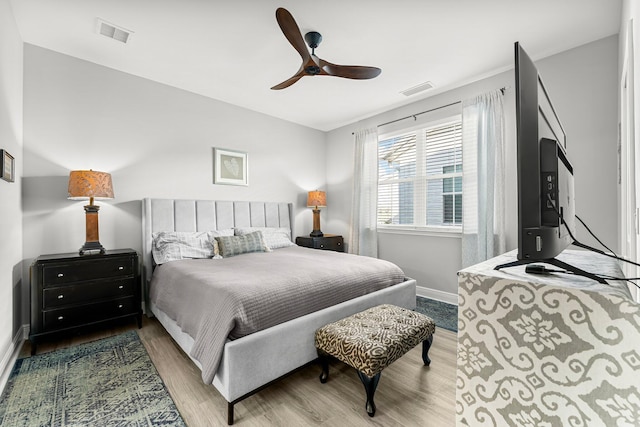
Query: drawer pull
(121, 287)
(60, 317)
(121, 268)
(60, 275)
(120, 306)
(60, 296)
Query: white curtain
(482, 178)
(363, 239)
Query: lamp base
(92, 248)
(316, 224)
(92, 244)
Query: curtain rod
(502, 89)
(421, 112)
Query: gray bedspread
(215, 299)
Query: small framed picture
(230, 167)
(7, 167)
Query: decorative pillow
(176, 245)
(212, 237)
(236, 245)
(273, 237)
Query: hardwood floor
(409, 394)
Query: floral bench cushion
(375, 338)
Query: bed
(250, 362)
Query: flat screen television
(546, 203)
(545, 175)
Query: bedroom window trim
(418, 150)
(448, 231)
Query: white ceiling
(234, 51)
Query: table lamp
(316, 199)
(90, 185)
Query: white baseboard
(11, 355)
(447, 297)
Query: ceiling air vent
(113, 31)
(419, 88)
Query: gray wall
(155, 140)
(582, 83)
(11, 209)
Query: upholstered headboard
(205, 215)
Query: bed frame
(252, 362)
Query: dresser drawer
(56, 274)
(80, 315)
(86, 292)
(330, 242)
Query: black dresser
(70, 291)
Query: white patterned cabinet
(555, 350)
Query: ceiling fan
(311, 64)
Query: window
(420, 176)
(452, 196)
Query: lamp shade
(317, 199)
(90, 184)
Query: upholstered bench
(371, 340)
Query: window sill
(451, 232)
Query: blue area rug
(110, 382)
(445, 315)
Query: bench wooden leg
(370, 384)
(323, 358)
(426, 345)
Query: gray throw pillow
(236, 245)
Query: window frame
(454, 230)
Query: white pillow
(273, 237)
(176, 245)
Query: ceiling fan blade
(292, 32)
(289, 81)
(350, 71)
(309, 68)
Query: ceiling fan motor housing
(313, 39)
(312, 70)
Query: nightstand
(70, 291)
(331, 242)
